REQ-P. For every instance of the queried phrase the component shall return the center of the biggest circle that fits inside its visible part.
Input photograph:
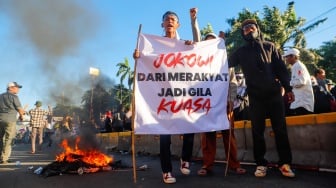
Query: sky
(48, 46)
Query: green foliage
(276, 26)
(206, 30)
(125, 72)
(328, 61)
(101, 101)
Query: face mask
(251, 36)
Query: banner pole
(231, 124)
(133, 110)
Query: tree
(121, 94)
(101, 101)
(328, 60)
(125, 72)
(280, 28)
(206, 30)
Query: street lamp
(94, 72)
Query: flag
(180, 88)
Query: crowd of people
(263, 89)
(118, 121)
(41, 126)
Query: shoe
(168, 178)
(204, 172)
(6, 162)
(185, 167)
(286, 171)
(261, 171)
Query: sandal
(203, 172)
(239, 171)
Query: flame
(92, 157)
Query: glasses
(249, 26)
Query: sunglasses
(249, 26)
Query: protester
(330, 84)
(332, 88)
(331, 93)
(320, 76)
(241, 102)
(108, 121)
(10, 105)
(323, 97)
(301, 84)
(118, 121)
(208, 139)
(265, 74)
(38, 122)
(128, 119)
(170, 24)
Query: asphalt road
(22, 175)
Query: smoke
(56, 30)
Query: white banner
(180, 88)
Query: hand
(188, 42)
(193, 13)
(290, 97)
(136, 54)
(229, 106)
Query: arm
(298, 76)
(18, 107)
(282, 74)
(49, 111)
(194, 25)
(233, 85)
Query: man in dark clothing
(10, 106)
(265, 73)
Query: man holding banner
(209, 139)
(179, 89)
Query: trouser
(165, 152)
(47, 137)
(273, 106)
(36, 131)
(7, 135)
(208, 142)
(300, 111)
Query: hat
(13, 84)
(292, 51)
(169, 13)
(210, 34)
(38, 103)
(249, 21)
(329, 82)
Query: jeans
(165, 152)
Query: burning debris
(76, 160)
